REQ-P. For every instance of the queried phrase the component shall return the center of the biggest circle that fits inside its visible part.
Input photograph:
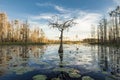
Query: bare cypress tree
(98, 34)
(101, 32)
(116, 14)
(117, 26)
(61, 25)
(26, 31)
(93, 34)
(112, 31)
(105, 29)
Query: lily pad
(74, 75)
(87, 78)
(56, 79)
(63, 63)
(21, 70)
(42, 63)
(109, 78)
(113, 77)
(39, 77)
(104, 72)
(67, 70)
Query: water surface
(77, 61)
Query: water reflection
(18, 57)
(62, 74)
(109, 60)
(61, 59)
(97, 62)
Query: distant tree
(61, 25)
(105, 29)
(115, 15)
(93, 33)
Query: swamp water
(78, 62)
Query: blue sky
(88, 12)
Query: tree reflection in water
(63, 75)
(109, 60)
(63, 66)
(17, 57)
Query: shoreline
(106, 44)
(31, 43)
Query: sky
(38, 12)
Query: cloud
(44, 16)
(117, 2)
(61, 9)
(84, 20)
(83, 28)
(56, 7)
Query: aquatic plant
(55, 78)
(87, 78)
(39, 77)
(42, 63)
(113, 77)
(109, 78)
(67, 70)
(62, 64)
(104, 72)
(21, 70)
(74, 75)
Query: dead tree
(61, 25)
(105, 29)
(115, 14)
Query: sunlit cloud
(61, 9)
(56, 7)
(44, 16)
(84, 20)
(83, 28)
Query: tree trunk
(61, 43)
(61, 60)
(117, 30)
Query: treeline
(108, 30)
(18, 31)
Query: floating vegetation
(74, 75)
(87, 78)
(56, 79)
(108, 78)
(104, 72)
(67, 70)
(42, 63)
(113, 77)
(62, 64)
(21, 70)
(39, 77)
